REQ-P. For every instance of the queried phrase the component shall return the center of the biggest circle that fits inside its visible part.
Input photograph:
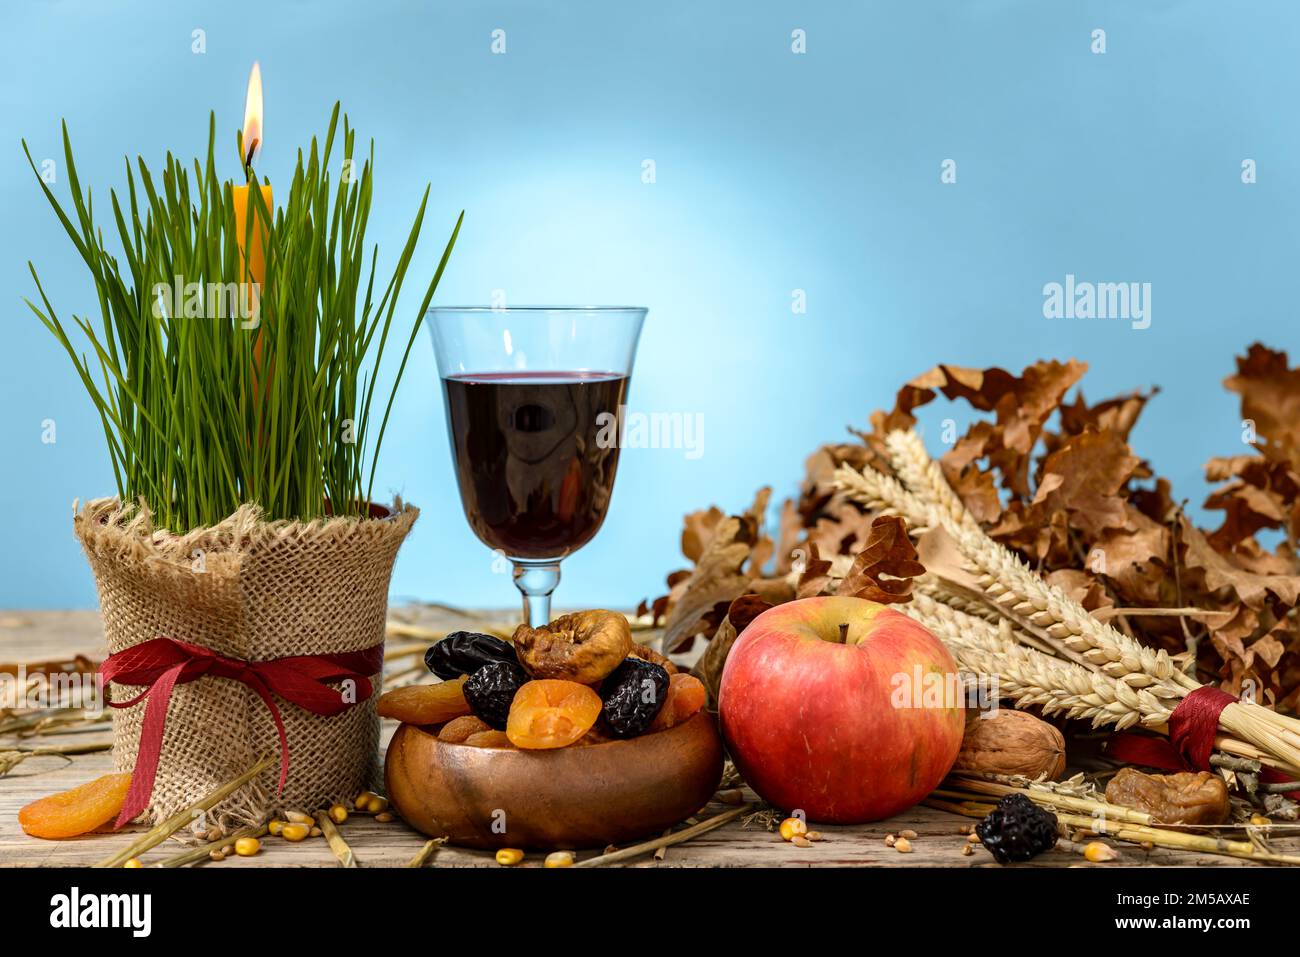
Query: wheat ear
(1031, 677)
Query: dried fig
(646, 653)
(584, 646)
(1012, 742)
(1184, 798)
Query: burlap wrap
(252, 590)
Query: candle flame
(251, 138)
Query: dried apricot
(583, 647)
(425, 704)
(686, 695)
(78, 811)
(457, 730)
(550, 713)
(488, 739)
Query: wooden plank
(41, 635)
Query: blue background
(775, 172)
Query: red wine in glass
(534, 457)
(535, 446)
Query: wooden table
(32, 636)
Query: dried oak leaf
(1220, 572)
(883, 570)
(1270, 398)
(1084, 478)
(1117, 415)
(709, 668)
(716, 580)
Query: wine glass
(535, 398)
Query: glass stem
(536, 580)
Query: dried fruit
(1012, 742)
(457, 730)
(491, 689)
(1017, 829)
(549, 713)
(634, 693)
(1183, 798)
(686, 696)
(800, 841)
(509, 856)
(583, 647)
(646, 653)
(465, 652)
(77, 811)
(488, 739)
(425, 704)
(793, 827)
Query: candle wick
(248, 160)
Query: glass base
(536, 581)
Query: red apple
(842, 708)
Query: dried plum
(490, 690)
(465, 652)
(1017, 829)
(633, 694)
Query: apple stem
(844, 632)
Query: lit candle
(250, 144)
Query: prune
(465, 652)
(583, 647)
(551, 713)
(76, 812)
(491, 689)
(425, 704)
(1017, 829)
(633, 694)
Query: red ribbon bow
(163, 663)
(1192, 727)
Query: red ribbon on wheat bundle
(163, 663)
(1192, 727)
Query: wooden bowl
(572, 797)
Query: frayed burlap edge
(254, 590)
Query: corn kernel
(295, 832)
(274, 827)
(338, 814)
(298, 817)
(558, 859)
(903, 846)
(247, 846)
(384, 817)
(792, 827)
(216, 854)
(133, 862)
(509, 856)
(1098, 851)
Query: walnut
(1012, 742)
(1187, 797)
(584, 646)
